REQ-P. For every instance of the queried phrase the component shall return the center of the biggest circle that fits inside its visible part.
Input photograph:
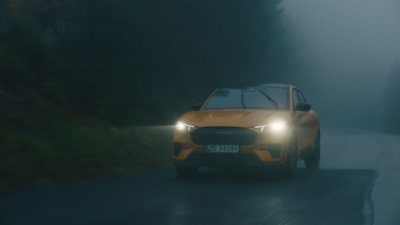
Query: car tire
(290, 165)
(312, 161)
(186, 171)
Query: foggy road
(79, 74)
(357, 183)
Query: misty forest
(77, 77)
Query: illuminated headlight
(277, 126)
(184, 126)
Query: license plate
(221, 148)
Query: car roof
(263, 86)
(273, 85)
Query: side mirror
(303, 107)
(197, 106)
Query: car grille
(223, 136)
(224, 159)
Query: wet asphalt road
(339, 193)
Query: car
(268, 125)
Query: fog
(342, 53)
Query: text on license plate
(221, 148)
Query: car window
(265, 98)
(301, 96)
(295, 98)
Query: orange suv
(261, 126)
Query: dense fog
(89, 89)
(344, 56)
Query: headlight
(277, 126)
(184, 126)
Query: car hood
(234, 118)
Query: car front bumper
(255, 149)
(225, 160)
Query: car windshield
(252, 98)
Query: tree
(129, 61)
(391, 100)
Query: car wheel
(186, 171)
(313, 161)
(290, 166)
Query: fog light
(274, 149)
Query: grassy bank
(74, 153)
(42, 145)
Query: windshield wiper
(270, 99)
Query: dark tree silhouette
(133, 62)
(392, 100)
